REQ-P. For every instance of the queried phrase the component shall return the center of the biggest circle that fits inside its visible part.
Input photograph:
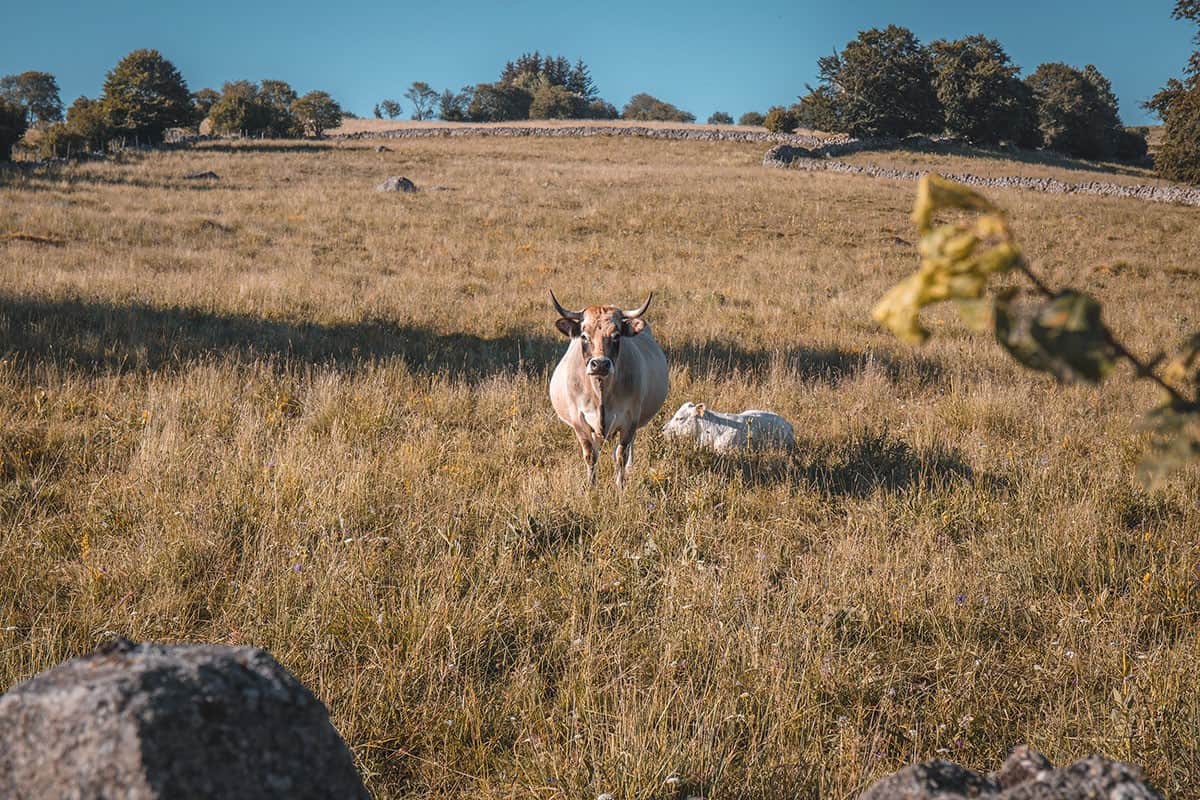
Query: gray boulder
(1026, 775)
(146, 721)
(396, 183)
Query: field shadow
(104, 337)
(264, 146)
(829, 365)
(856, 467)
(1045, 158)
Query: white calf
(727, 432)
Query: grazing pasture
(282, 409)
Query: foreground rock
(1026, 775)
(151, 721)
(396, 183)
(207, 175)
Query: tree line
(143, 97)
(533, 86)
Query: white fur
(725, 433)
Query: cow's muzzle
(599, 367)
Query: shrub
(816, 111)
(555, 102)
(881, 84)
(317, 112)
(144, 95)
(981, 96)
(645, 107)
(87, 119)
(60, 141)
(1178, 158)
(239, 110)
(499, 102)
(601, 109)
(1077, 110)
(1132, 145)
(780, 120)
(751, 118)
(12, 127)
(720, 118)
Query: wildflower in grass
(960, 599)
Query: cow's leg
(623, 456)
(588, 448)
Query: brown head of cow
(611, 381)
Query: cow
(728, 432)
(611, 381)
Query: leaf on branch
(956, 260)
(1174, 441)
(1063, 336)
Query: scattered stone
(383, 148)
(150, 722)
(933, 780)
(207, 175)
(396, 183)
(1026, 775)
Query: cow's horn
(564, 313)
(638, 312)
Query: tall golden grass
(284, 410)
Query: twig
(1143, 370)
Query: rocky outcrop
(818, 160)
(1026, 775)
(150, 722)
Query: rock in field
(207, 175)
(396, 183)
(150, 722)
(1026, 775)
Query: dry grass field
(282, 409)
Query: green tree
(423, 98)
(240, 110)
(276, 98)
(144, 94)
(453, 106)
(753, 118)
(555, 102)
(1178, 105)
(1077, 111)
(87, 119)
(720, 118)
(881, 84)
(1178, 157)
(499, 102)
(600, 109)
(817, 111)
(36, 93)
(202, 103)
(982, 97)
(317, 112)
(645, 107)
(13, 122)
(391, 108)
(780, 120)
(580, 81)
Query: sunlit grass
(282, 409)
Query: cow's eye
(583, 337)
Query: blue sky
(700, 55)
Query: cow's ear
(700, 409)
(568, 327)
(632, 327)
